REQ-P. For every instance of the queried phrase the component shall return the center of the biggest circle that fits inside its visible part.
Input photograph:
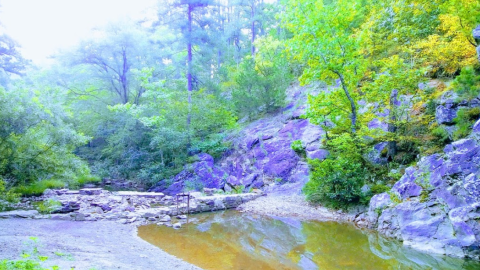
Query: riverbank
(85, 245)
(288, 201)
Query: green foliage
(7, 197)
(238, 189)
(37, 141)
(464, 121)
(193, 185)
(258, 84)
(37, 188)
(424, 182)
(394, 197)
(87, 179)
(337, 180)
(298, 147)
(30, 260)
(467, 84)
(48, 206)
(379, 188)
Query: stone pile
(93, 204)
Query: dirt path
(85, 245)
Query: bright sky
(44, 26)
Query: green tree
(324, 39)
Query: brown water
(232, 240)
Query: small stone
(132, 220)
(182, 217)
(79, 217)
(152, 219)
(177, 225)
(122, 221)
(165, 218)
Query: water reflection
(232, 240)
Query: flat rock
(19, 214)
(140, 194)
(90, 191)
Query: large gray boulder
(447, 109)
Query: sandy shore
(85, 245)
(292, 205)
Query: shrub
(37, 188)
(337, 180)
(379, 188)
(465, 119)
(467, 84)
(7, 197)
(48, 206)
(82, 180)
(297, 146)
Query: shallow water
(233, 240)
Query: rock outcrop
(435, 206)
(260, 155)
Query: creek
(234, 240)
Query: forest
(139, 99)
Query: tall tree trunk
(392, 128)
(252, 16)
(123, 78)
(189, 69)
(353, 107)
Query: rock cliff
(435, 206)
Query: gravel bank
(292, 205)
(86, 245)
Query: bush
(82, 180)
(464, 121)
(37, 188)
(297, 146)
(379, 188)
(48, 206)
(467, 84)
(336, 181)
(7, 197)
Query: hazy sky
(44, 26)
